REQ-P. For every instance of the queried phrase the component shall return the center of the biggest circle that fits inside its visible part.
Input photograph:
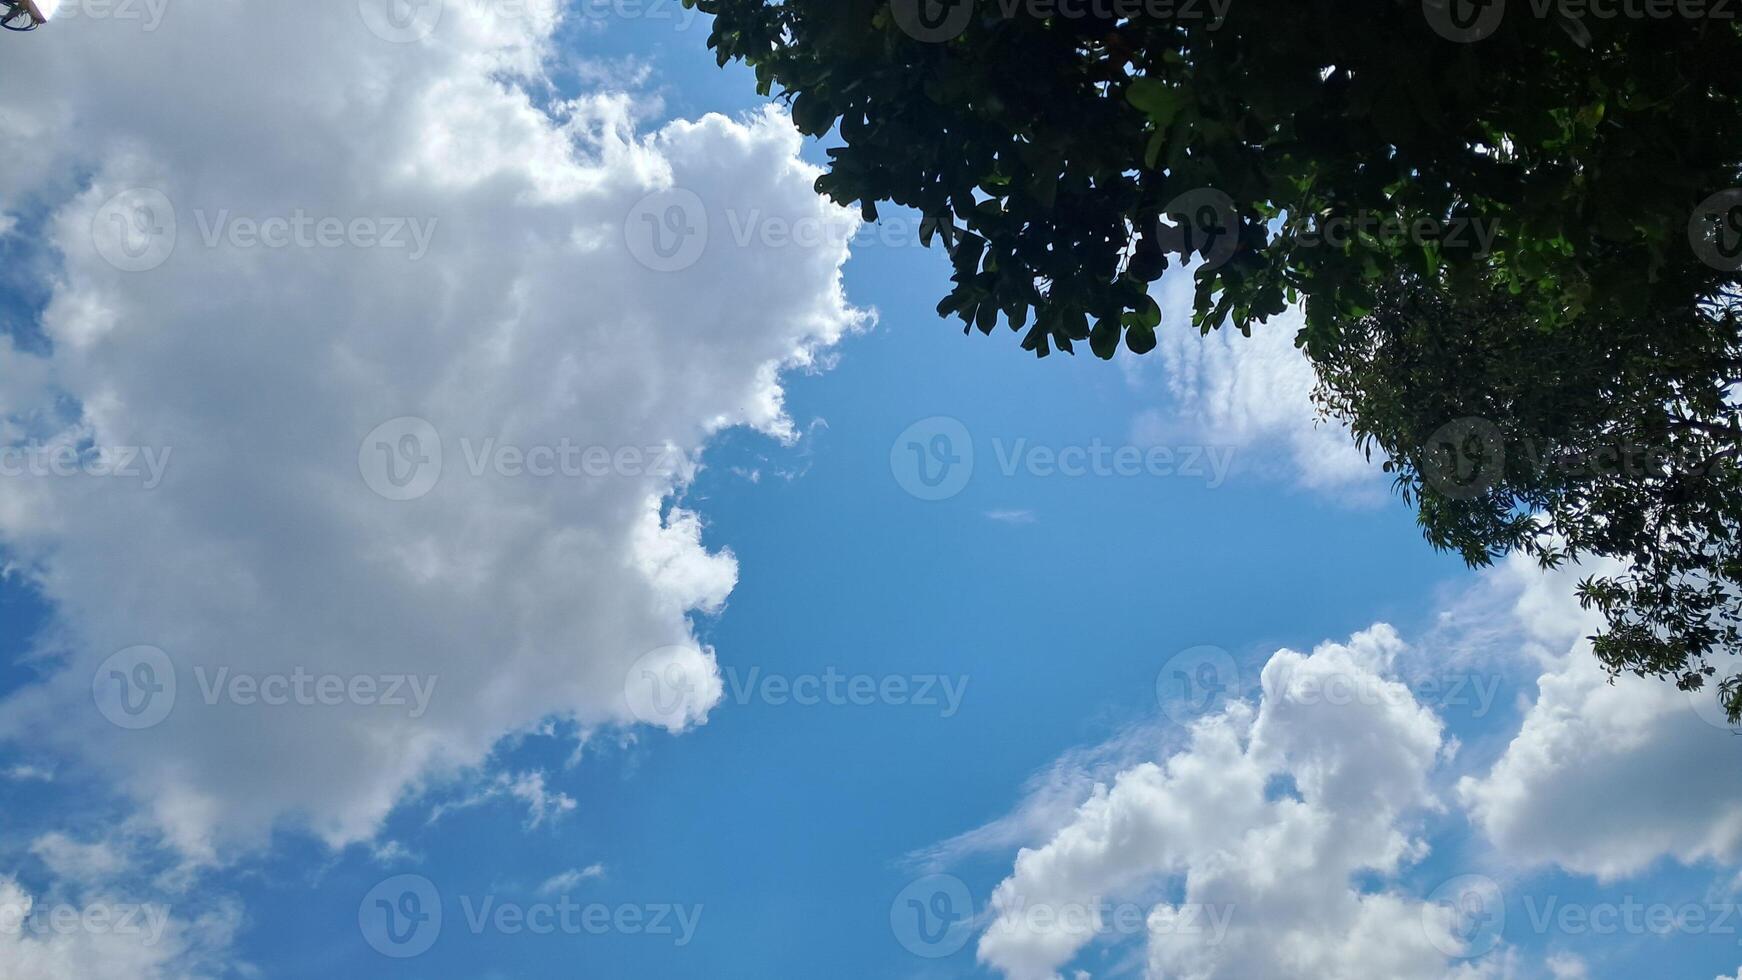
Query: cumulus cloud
(1253, 832)
(103, 934)
(301, 538)
(1551, 797)
(1273, 810)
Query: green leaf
(1140, 339)
(1156, 99)
(1104, 339)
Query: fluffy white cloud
(1552, 796)
(1270, 811)
(255, 357)
(99, 935)
(1259, 823)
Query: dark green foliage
(1615, 440)
(1047, 148)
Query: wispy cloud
(557, 884)
(24, 773)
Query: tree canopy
(1513, 231)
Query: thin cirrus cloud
(1252, 394)
(518, 313)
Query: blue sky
(1031, 622)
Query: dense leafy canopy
(1616, 439)
(1049, 147)
(1515, 222)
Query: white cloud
(1567, 966)
(1272, 810)
(567, 880)
(528, 788)
(26, 773)
(77, 860)
(1551, 797)
(1049, 799)
(262, 369)
(99, 935)
(1253, 393)
(1275, 867)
